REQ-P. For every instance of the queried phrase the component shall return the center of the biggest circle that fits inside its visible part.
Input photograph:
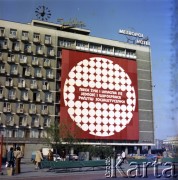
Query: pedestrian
(38, 159)
(50, 155)
(18, 154)
(10, 158)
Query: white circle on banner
(100, 96)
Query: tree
(53, 138)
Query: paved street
(29, 172)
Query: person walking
(18, 155)
(10, 158)
(50, 156)
(38, 159)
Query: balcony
(2, 33)
(24, 98)
(36, 40)
(2, 71)
(38, 99)
(28, 50)
(32, 111)
(21, 85)
(49, 76)
(47, 42)
(11, 59)
(13, 36)
(35, 123)
(44, 112)
(47, 64)
(39, 52)
(23, 122)
(27, 73)
(4, 46)
(10, 122)
(38, 75)
(20, 110)
(49, 100)
(51, 53)
(45, 88)
(35, 62)
(14, 72)
(23, 60)
(6, 109)
(9, 84)
(25, 38)
(16, 48)
(33, 86)
(12, 97)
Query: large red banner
(99, 97)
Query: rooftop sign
(130, 33)
(135, 37)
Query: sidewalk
(28, 172)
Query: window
(27, 48)
(66, 42)
(2, 32)
(32, 108)
(45, 85)
(8, 133)
(44, 109)
(23, 59)
(47, 39)
(3, 44)
(39, 49)
(48, 97)
(2, 68)
(49, 73)
(21, 83)
(36, 37)
(37, 72)
(47, 122)
(47, 62)
(35, 121)
(34, 60)
(36, 96)
(10, 120)
(15, 46)
(120, 52)
(11, 57)
(24, 95)
(14, 69)
(23, 120)
(82, 45)
(107, 49)
(33, 84)
(26, 71)
(12, 94)
(1, 92)
(25, 33)
(20, 107)
(95, 47)
(50, 51)
(13, 32)
(9, 81)
(19, 133)
(7, 107)
(34, 133)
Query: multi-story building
(39, 60)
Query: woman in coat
(38, 159)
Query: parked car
(72, 157)
(56, 157)
(152, 157)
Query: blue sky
(104, 18)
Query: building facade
(37, 60)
